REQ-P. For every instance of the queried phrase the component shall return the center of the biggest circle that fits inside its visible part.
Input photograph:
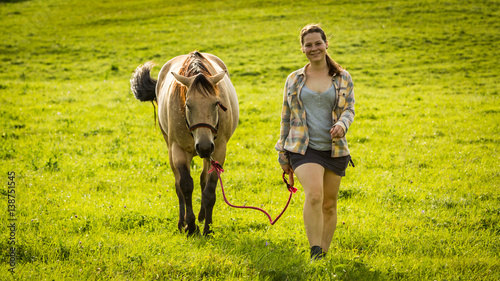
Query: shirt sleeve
(347, 115)
(284, 127)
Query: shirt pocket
(293, 100)
(334, 117)
(342, 99)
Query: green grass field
(94, 194)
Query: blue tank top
(319, 107)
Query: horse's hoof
(181, 227)
(191, 232)
(208, 233)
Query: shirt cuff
(282, 159)
(341, 124)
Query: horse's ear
(186, 81)
(216, 78)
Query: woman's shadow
(284, 259)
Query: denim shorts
(338, 165)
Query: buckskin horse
(197, 114)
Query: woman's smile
(314, 47)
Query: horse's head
(202, 110)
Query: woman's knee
(330, 207)
(314, 197)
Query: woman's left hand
(337, 132)
(287, 169)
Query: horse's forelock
(195, 64)
(203, 86)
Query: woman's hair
(333, 67)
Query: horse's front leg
(209, 195)
(203, 184)
(182, 207)
(208, 201)
(184, 188)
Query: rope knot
(216, 166)
(290, 187)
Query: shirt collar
(302, 71)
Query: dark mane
(203, 86)
(195, 64)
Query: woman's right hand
(287, 169)
(337, 132)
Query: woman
(318, 108)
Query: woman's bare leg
(311, 177)
(331, 185)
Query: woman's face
(314, 47)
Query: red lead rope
(219, 170)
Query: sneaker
(317, 253)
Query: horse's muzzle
(204, 149)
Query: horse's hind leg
(182, 204)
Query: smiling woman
(318, 108)
(313, 40)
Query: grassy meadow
(94, 193)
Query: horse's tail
(141, 83)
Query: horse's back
(165, 78)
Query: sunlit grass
(95, 195)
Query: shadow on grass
(283, 260)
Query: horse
(198, 112)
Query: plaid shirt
(294, 136)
